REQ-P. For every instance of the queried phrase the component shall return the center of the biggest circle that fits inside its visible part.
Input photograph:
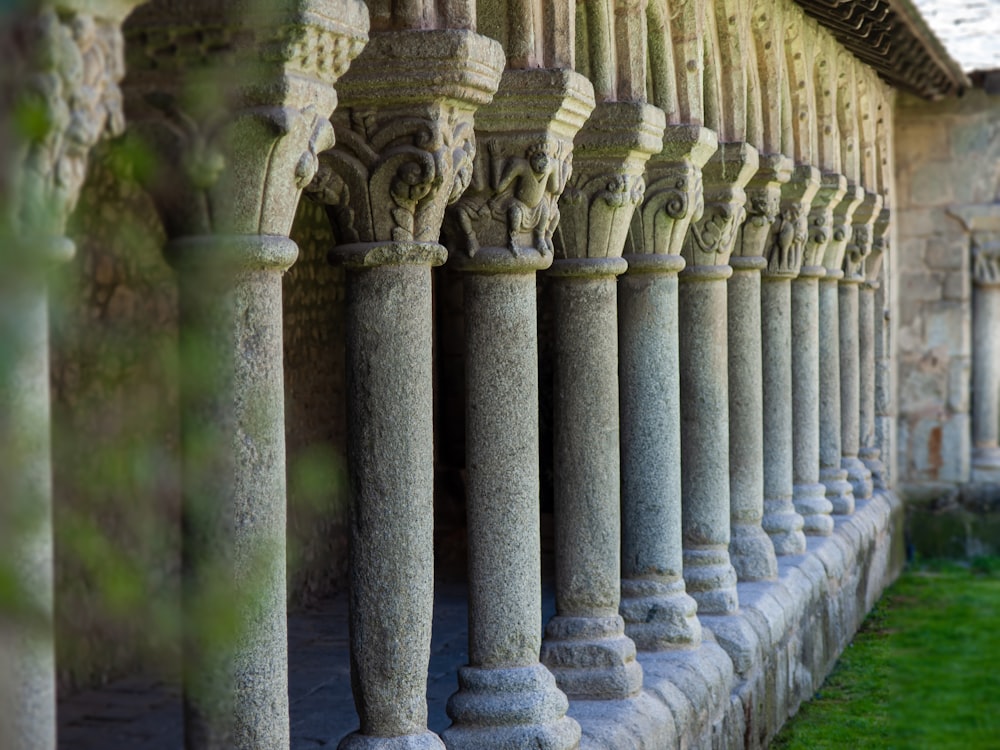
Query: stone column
(750, 548)
(66, 63)
(404, 151)
(708, 571)
(657, 610)
(499, 236)
(809, 495)
(850, 388)
(985, 356)
(784, 259)
(883, 362)
(235, 144)
(585, 643)
(869, 332)
(834, 477)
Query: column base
(509, 707)
(659, 615)
(752, 553)
(859, 477)
(872, 460)
(784, 526)
(591, 658)
(710, 579)
(423, 741)
(839, 491)
(811, 503)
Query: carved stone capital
(787, 240)
(820, 225)
(506, 217)
(843, 219)
(986, 259)
(234, 109)
(61, 72)
(405, 140)
(609, 157)
(674, 196)
(711, 237)
(860, 247)
(763, 205)
(880, 245)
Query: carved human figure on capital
(789, 240)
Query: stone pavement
(145, 714)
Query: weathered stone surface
(785, 251)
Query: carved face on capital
(540, 158)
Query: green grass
(923, 671)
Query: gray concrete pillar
(704, 362)
(833, 476)
(986, 356)
(784, 255)
(233, 488)
(585, 644)
(658, 612)
(750, 548)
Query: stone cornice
(891, 37)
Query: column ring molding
(498, 260)
(748, 263)
(231, 252)
(655, 263)
(706, 273)
(812, 272)
(372, 254)
(588, 267)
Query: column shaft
(986, 377)
(857, 474)
(708, 572)
(810, 496)
(838, 490)
(750, 549)
(657, 610)
(27, 653)
(505, 615)
(588, 487)
(781, 522)
(390, 451)
(233, 489)
(868, 450)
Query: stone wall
(948, 155)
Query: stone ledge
(786, 638)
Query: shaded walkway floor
(143, 714)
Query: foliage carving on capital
(597, 210)
(715, 232)
(392, 173)
(512, 199)
(67, 100)
(858, 250)
(986, 258)
(229, 171)
(673, 198)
